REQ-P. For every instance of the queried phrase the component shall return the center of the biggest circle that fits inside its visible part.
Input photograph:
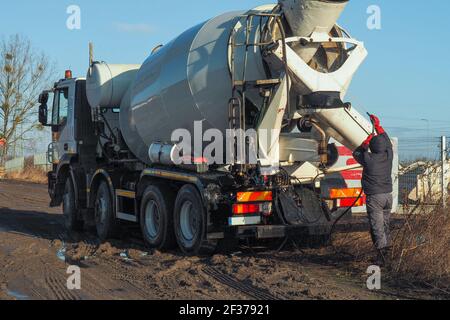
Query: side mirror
(43, 98)
(43, 114)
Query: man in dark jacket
(377, 185)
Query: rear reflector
(345, 193)
(246, 209)
(351, 202)
(255, 196)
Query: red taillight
(246, 208)
(68, 74)
(351, 202)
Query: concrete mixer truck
(221, 134)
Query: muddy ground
(35, 252)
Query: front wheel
(105, 219)
(190, 223)
(71, 219)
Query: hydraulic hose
(343, 215)
(333, 227)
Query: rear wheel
(105, 219)
(70, 212)
(190, 223)
(156, 217)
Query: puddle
(17, 295)
(125, 257)
(61, 253)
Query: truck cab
(66, 111)
(63, 120)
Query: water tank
(106, 83)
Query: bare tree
(24, 73)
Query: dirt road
(35, 253)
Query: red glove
(376, 122)
(366, 143)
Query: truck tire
(105, 220)
(156, 217)
(72, 223)
(190, 223)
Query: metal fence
(408, 185)
(425, 182)
(41, 161)
(19, 164)
(14, 165)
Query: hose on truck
(304, 219)
(335, 223)
(357, 199)
(342, 216)
(300, 214)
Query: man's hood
(378, 145)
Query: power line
(416, 119)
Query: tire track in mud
(94, 286)
(8, 191)
(58, 289)
(101, 277)
(247, 289)
(55, 278)
(130, 283)
(37, 295)
(5, 196)
(56, 284)
(122, 278)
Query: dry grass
(420, 255)
(29, 174)
(421, 250)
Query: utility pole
(445, 172)
(91, 53)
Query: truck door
(63, 122)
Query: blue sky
(406, 77)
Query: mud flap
(56, 198)
(302, 206)
(56, 191)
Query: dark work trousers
(379, 207)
